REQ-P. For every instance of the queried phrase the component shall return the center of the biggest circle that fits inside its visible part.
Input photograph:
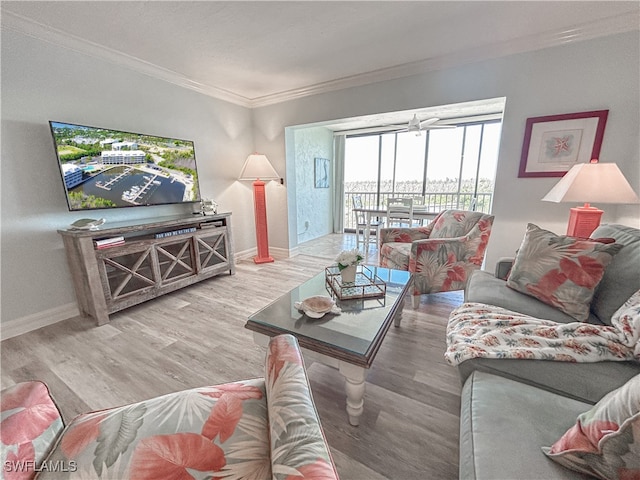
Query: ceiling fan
(417, 126)
(414, 125)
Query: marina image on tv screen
(104, 168)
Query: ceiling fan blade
(435, 127)
(428, 122)
(387, 128)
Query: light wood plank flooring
(196, 336)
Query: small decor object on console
(208, 207)
(87, 224)
(109, 242)
(348, 260)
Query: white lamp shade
(593, 183)
(257, 166)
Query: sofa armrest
(297, 439)
(503, 267)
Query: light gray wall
(590, 75)
(42, 82)
(313, 205)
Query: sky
(445, 153)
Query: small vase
(348, 274)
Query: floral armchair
(442, 255)
(263, 428)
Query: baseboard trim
(276, 252)
(18, 326)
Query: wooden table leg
(398, 318)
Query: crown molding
(603, 27)
(31, 28)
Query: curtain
(338, 181)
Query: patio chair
(400, 211)
(440, 256)
(363, 229)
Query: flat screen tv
(103, 168)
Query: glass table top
(355, 331)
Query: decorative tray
(366, 285)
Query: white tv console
(110, 279)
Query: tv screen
(104, 168)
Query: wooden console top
(137, 225)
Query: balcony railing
(434, 202)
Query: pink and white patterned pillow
(559, 270)
(31, 423)
(605, 441)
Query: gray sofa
(511, 408)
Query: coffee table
(349, 341)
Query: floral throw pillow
(30, 425)
(605, 441)
(559, 270)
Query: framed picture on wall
(555, 143)
(322, 173)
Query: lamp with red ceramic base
(258, 168)
(590, 182)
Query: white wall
(590, 75)
(42, 82)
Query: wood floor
(196, 336)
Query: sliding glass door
(450, 168)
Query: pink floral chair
(263, 428)
(442, 255)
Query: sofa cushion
(504, 424)
(559, 270)
(622, 277)
(587, 382)
(31, 423)
(605, 440)
(484, 287)
(208, 430)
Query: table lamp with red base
(590, 182)
(258, 168)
